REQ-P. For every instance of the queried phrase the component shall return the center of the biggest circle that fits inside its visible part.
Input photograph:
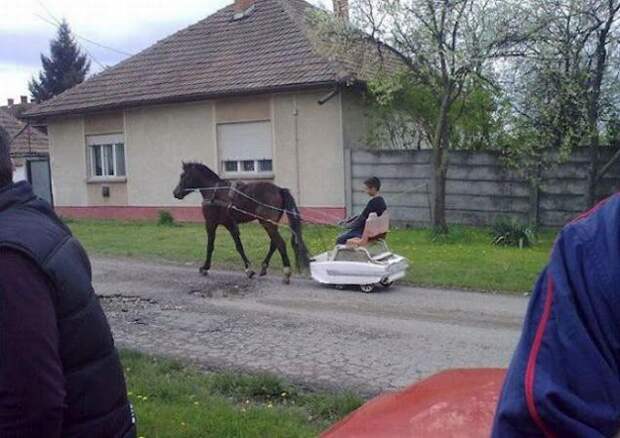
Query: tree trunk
(534, 211)
(439, 191)
(594, 151)
(440, 168)
(592, 180)
(594, 107)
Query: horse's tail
(302, 258)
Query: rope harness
(233, 189)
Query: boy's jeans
(350, 234)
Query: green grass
(173, 400)
(464, 259)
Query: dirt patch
(123, 301)
(232, 288)
(132, 309)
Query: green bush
(511, 232)
(165, 219)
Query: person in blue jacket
(564, 378)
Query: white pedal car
(366, 262)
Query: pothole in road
(222, 289)
(128, 300)
(132, 308)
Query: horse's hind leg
(233, 229)
(280, 245)
(211, 229)
(265, 266)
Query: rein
(233, 189)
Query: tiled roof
(28, 142)
(267, 50)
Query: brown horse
(232, 203)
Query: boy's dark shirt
(375, 205)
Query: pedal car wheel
(367, 288)
(386, 283)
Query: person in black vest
(60, 374)
(377, 205)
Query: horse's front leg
(211, 229)
(233, 229)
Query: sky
(127, 26)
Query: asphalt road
(310, 334)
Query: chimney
(242, 6)
(23, 99)
(341, 9)
(10, 102)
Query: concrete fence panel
(479, 188)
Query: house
(17, 109)
(30, 154)
(242, 91)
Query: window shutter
(245, 141)
(104, 139)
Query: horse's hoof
(204, 272)
(250, 273)
(287, 275)
(263, 272)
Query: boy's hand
(347, 221)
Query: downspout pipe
(329, 96)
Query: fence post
(348, 181)
(534, 213)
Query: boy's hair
(6, 165)
(373, 182)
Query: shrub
(165, 219)
(511, 232)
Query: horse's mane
(202, 169)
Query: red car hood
(454, 403)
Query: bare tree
(445, 47)
(605, 16)
(566, 92)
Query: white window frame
(240, 172)
(101, 142)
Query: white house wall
(157, 140)
(19, 174)
(355, 120)
(68, 162)
(306, 136)
(321, 157)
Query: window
(245, 148)
(249, 166)
(231, 166)
(265, 166)
(106, 156)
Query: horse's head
(194, 176)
